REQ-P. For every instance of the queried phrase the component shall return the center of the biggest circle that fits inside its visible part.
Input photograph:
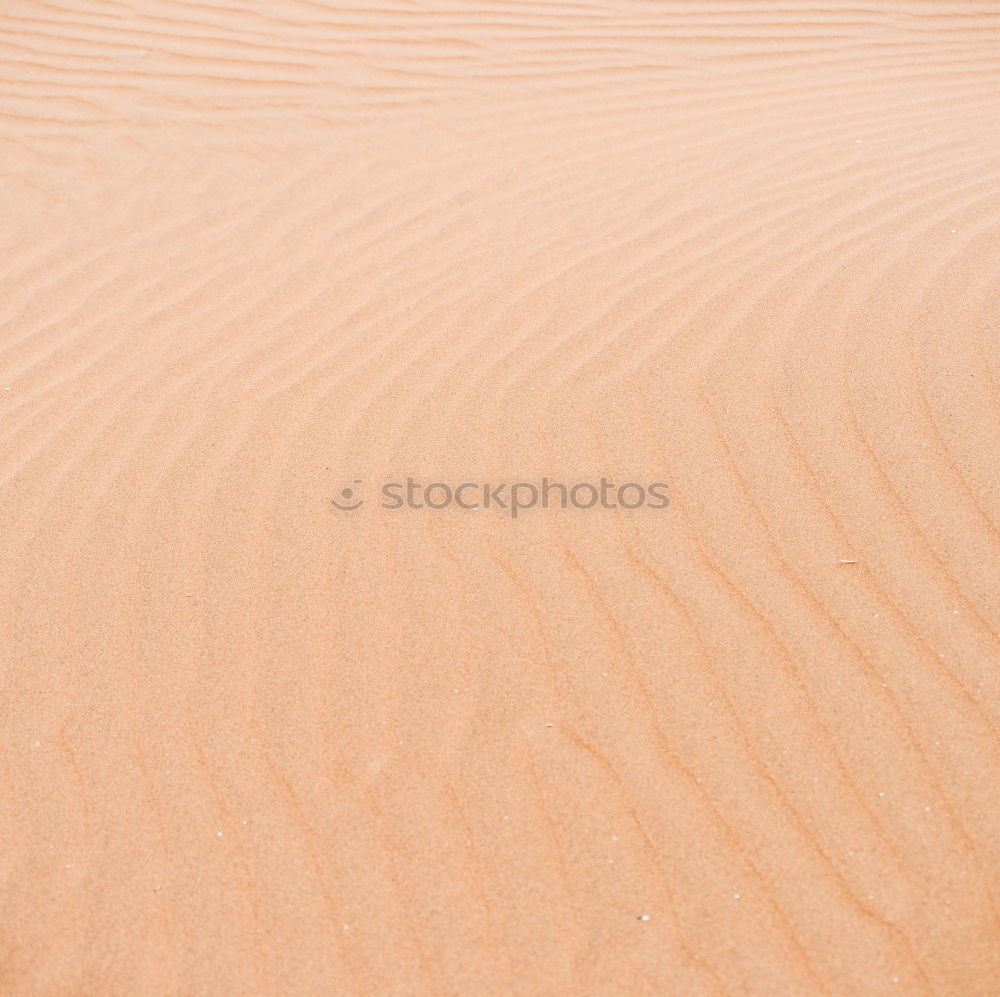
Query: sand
(257, 254)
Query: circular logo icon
(347, 500)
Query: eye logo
(347, 496)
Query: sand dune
(257, 255)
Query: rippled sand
(253, 254)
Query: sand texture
(255, 254)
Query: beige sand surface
(746, 745)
